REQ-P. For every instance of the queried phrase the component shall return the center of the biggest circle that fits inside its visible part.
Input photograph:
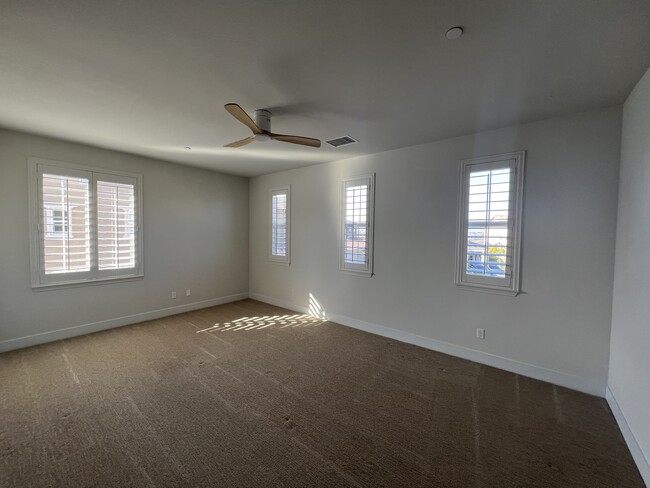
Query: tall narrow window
(280, 237)
(357, 206)
(85, 224)
(489, 223)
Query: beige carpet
(269, 398)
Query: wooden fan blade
(238, 112)
(241, 143)
(303, 141)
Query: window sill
(365, 274)
(77, 284)
(488, 289)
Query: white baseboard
(279, 303)
(637, 454)
(77, 330)
(559, 378)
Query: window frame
(279, 190)
(510, 287)
(366, 270)
(42, 281)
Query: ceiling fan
(261, 128)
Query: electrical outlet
(173, 294)
(480, 333)
(187, 292)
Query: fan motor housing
(262, 119)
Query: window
(84, 224)
(489, 223)
(357, 205)
(57, 221)
(280, 237)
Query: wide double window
(357, 207)
(489, 223)
(85, 224)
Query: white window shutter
(84, 224)
(116, 237)
(489, 223)
(280, 225)
(357, 224)
(64, 223)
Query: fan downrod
(262, 119)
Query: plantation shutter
(489, 221)
(64, 228)
(84, 224)
(116, 226)
(357, 196)
(489, 232)
(279, 223)
(356, 223)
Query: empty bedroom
(325, 243)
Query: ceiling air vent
(342, 141)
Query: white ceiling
(151, 77)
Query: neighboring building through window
(57, 221)
(280, 223)
(85, 224)
(489, 223)
(357, 211)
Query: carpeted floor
(268, 398)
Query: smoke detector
(454, 33)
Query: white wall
(560, 324)
(629, 374)
(195, 236)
